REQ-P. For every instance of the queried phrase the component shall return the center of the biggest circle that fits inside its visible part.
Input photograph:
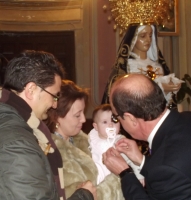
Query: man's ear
(95, 126)
(30, 90)
(131, 117)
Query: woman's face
(72, 123)
(144, 40)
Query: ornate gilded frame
(172, 25)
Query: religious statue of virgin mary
(139, 53)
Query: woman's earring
(57, 125)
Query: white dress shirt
(153, 133)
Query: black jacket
(25, 172)
(168, 170)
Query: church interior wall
(96, 42)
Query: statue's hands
(171, 87)
(169, 83)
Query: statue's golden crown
(126, 12)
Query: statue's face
(144, 40)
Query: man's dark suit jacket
(167, 170)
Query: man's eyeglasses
(114, 118)
(55, 97)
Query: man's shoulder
(10, 135)
(8, 112)
(6, 108)
(186, 114)
(177, 113)
(176, 118)
(13, 127)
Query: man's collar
(152, 134)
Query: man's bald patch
(137, 84)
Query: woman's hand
(88, 185)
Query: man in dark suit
(138, 103)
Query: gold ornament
(105, 8)
(109, 19)
(57, 125)
(125, 12)
(150, 72)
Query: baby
(102, 137)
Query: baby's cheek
(117, 126)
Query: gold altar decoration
(125, 12)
